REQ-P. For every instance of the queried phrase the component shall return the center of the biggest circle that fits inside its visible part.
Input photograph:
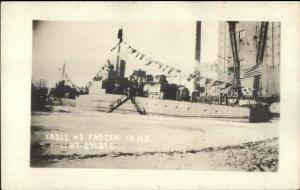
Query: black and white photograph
(150, 95)
(191, 95)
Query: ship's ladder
(113, 106)
(138, 106)
(118, 103)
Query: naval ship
(245, 87)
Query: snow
(149, 133)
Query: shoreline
(252, 156)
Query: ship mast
(63, 71)
(236, 61)
(120, 36)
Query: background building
(247, 37)
(39, 83)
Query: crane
(259, 56)
(260, 53)
(236, 61)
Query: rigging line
(115, 47)
(146, 57)
(150, 59)
(99, 72)
(153, 60)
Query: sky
(85, 46)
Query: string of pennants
(150, 61)
(164, 68)
(97, 76)
(147, 61)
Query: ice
(151, 134)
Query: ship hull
(101, 102)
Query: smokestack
(196, 85)
(198, 41)
(120, 34)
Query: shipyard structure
(258, 51)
